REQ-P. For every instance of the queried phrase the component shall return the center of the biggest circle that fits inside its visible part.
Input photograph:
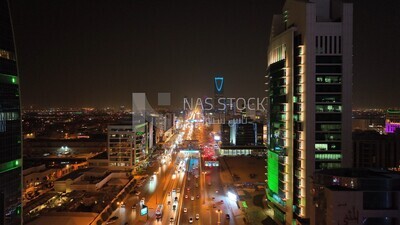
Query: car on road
(197, 216)
(197, 196)
(171, 219)
(214, 206)
(176, 199)
(192, 198)
(151, 178)
(190, 220)
(227, 216)
(134, 206)
(122, 205)
(186, 196)
(112, 220)
(188, 189)
(169, 202)
(155, 172)
(184, 210)
(174, 207)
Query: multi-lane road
(188, 192)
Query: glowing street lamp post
(219, 215)
(204, 179)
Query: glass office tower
(10, 124)
(310, 90)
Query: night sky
(75, 53)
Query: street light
(218, 211)
(204, 179)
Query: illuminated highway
(182, 174)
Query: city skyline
(199, 112)
(96, 54)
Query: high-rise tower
(10, 124)
(310, 91)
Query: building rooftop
(93, 138)
(103, 155)
(65, 218)
(360, 173)
(97, 170)
(75, 174)
(243, 147)
(360, 179)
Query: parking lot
(246, 175)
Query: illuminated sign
(144, 210)
(219, 84)
(189, 151)
(273, 171)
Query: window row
(328, 79)
(328, 127)
(328, 108)
(328, 69)
(328, 156)
(327, 137)
(328, 117)
(331, 146)
(328, 98)
(328, 44)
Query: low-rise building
(371, 149)
(99, 160)
(242, 137)
(127, 145)
(36, 175)
(89, 179)
(356, 196)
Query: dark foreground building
(10, 124)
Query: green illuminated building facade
(10, 125)
(309, 85)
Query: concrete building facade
(126, 146)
